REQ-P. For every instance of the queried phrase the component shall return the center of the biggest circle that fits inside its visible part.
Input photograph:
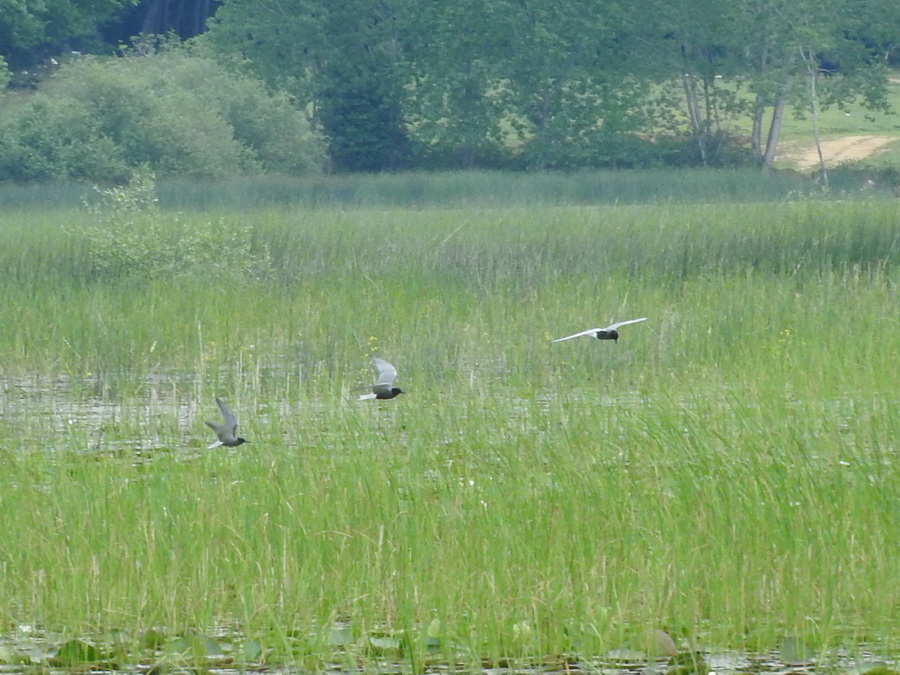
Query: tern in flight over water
(609, 333)
(383, 387)
(226, 432)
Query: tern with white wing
(384, 386)
(611, 332)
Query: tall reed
(726, 471)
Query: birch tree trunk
(813, 70)
(775, 125)
(692, 100)
(756, 138)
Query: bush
(5, 75)
(50, 140)
(177, 113)
(131, 238)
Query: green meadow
(729, 472)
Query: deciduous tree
(30, 28)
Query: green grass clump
(727, 470)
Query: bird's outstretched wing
(624, 323)
(590, 331)
(229, 417)
(386, 375)
(593, 331)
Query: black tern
(226, 432)
(608, 333)
(382, 388)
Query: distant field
(836, 123)
(729, 471)
(854, 119)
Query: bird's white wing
(616, 325)
(590, 331)
(386, 372)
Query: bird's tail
(366, 397)
(214, 445)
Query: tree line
(524, 84)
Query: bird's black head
(239, 440)
(396, 390)
(614, 336)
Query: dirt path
(837, 150)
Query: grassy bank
(727, 471)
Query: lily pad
(626, 656)
(880, 670)
(340, 637)
(385, 644)
(153, 639)
(75, 653)
(36, 653)
(864, 667)
(795, 650)
(659, 643)
(198, 646)
(688, 663)
(433, 635)
(252, 650)
(9, 656)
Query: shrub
(132, 238)
(177, 113)
(5, 75)
(279, 135)
(51, 139)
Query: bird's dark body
(229, 440)
(383, 388)
(608, 335)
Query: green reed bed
(464, 189)
(491, 189)
(728, 471)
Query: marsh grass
(488, 189)
(468, 189)
(727, 471)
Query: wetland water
(68, 420)
(25, 650)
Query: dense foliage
(174, 112)
(30, 29)
(501, 83)
(573, 84)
